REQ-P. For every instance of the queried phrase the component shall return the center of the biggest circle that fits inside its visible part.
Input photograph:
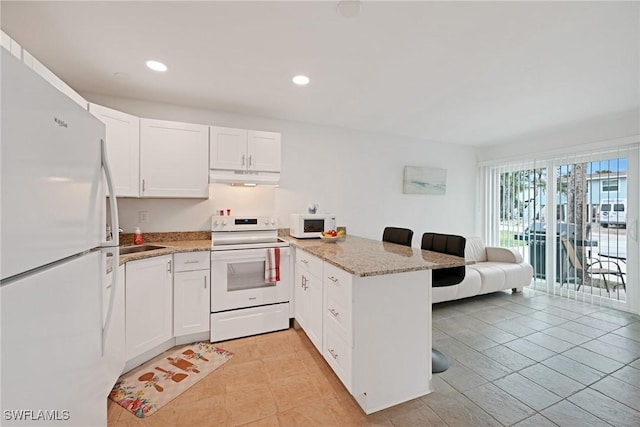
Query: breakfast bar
(366, 306)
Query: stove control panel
(238, 223)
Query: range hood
(243, 177)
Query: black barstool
(452, 245)
(401, 236)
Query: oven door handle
(245, 254)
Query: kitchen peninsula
(366, 306)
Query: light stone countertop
(366, 257)
(172, 247)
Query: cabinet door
(308, 305)
(173, 159)
(191, 302)
(227, 148)
(300, 298)
(315, 313)
(148, 304)
(263, 151)
(123, 148)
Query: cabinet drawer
(339, 279)
(337, 354)
(337, 284)
(189, 261)
(309, 263)
(336, 310)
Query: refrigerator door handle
(115, 252)
(113, 204)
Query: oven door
(237, 279)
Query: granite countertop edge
(170, 247)
(355, 255)
(364, 257)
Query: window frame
(609, 187)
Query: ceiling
(472, 73)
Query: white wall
(355, 175)
(593, 135)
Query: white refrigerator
(62, 340)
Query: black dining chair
(449, 244)
(401, 236)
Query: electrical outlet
(143, 216)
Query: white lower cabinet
(375, 330)
(308, 296)
(337, 330)
(148, 304)
(191, 293)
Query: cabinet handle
(168, 266)
(333, 279)
(250, 160)
(333, 353)
(191, 262)
(205, 282)
(143, 185)
(242, 161)
(335, 313)
(304, 261)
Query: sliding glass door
(575, 220)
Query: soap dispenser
(137, 237)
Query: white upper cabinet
(123, 148)
(173, 159)
(244, 150)
(263, 151)
(227, 148)
(11, 45)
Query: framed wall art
(424, 180)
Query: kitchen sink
(141, 248)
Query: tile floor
(526, 359)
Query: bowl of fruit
(332, 236)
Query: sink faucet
(110, 233)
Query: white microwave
(310, 226)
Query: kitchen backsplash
(126, 239)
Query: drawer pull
(191, 262)
(335, 313)
(304, 261)
(333, 279)
(252, 298)
(333, 354)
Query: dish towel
(272, 266)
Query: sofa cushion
(503, 255)
(475, 250)
(492, 277)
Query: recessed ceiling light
(156, 66)
(349, 8)
(301, 80)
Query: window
(610, 184)
(563, 215)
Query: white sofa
(495, 269)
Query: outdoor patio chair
(595, 267)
